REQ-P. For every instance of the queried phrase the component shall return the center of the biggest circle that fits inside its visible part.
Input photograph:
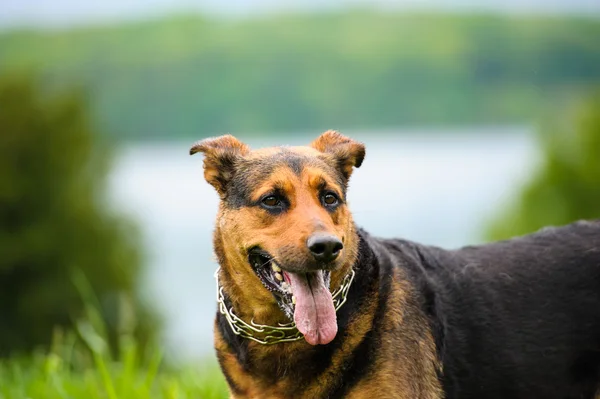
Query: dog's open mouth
(303, 297)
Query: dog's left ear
(347, 153)
(222, 155)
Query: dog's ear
(221, 157)
(346, 152)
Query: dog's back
(518, 318)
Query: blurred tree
(54, 218)
(180, 75)
(567, 186)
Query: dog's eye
(330, 199)
(271, 201)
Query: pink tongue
(314, 313)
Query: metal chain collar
(273, 334)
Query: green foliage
(567, 186)
(71, 371)
(190, 76)
(56, 228)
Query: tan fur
(216, 151)
(406, 368)
(347, 152)
(414, 376)
(243, 228)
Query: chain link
(273, 334)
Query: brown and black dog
(312, 307)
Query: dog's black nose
(325, 248)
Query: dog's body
(512, 319)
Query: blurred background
(481, 121)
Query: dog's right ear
(221, 157)
(347, 153)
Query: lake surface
(435, 187)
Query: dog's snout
(325, 248)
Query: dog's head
(284, 231)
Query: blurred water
(436, 187)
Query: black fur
(517, 318)
(513, 319)
(360, 362)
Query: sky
(65, 13)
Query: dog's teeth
(285, 286)
(278, 276)
(275, 267)
(293, 299)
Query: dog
(310, 306)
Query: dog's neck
(298, 360)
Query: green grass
(71, 371)
(79, 365)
